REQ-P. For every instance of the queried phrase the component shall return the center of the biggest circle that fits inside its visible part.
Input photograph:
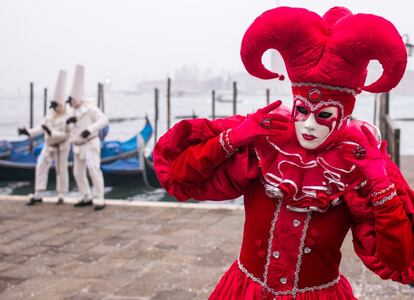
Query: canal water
(127, 113)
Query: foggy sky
(133, 40)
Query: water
(136, 106)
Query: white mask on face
(313, 128)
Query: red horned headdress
(331, 52)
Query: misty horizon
(132, 41)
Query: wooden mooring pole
(213, 104)
(31, 105)
(101, 97)
(156, 112)
(168, 103)
(234, 97)
(45, 101)
(267, 96)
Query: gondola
(132, 170)
(6, 147)
(149, 177)
(20, 164)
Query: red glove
(370, 159)
(260, 123)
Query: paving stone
(9, 282)
(6, 265)
(26, 271)
(61, 289)
(33, 250)
(84, 295)
(29, 288)
(175, 294)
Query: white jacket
(91, 118)
(57, 125)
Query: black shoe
(60, 201)
(99, 207)
(83, 203)
(34, 201)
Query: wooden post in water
(156, 112)
(213, 104)
(31, 105)
(45, 101)
(99, 96)
(168, 103)
(267, 96)
(102, 97)
(234, 97)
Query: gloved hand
(46, 129)
(260, 123)
(71, 120)
(370, 159)
(23, 131)
(85, 133)
(53, 105)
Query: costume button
(283, 280)
(259, 243)
(261, 253)
(307, 250)
(296, 222)
(276, 254)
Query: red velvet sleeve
(383, 235)
(191, 163)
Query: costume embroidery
(325, 86)
(289, 292)
(385, 199)
(269, 247)
(302, 245)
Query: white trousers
(90, 163)
(44, 161)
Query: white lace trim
(269, 247)
(326, 86)
(301, 245)
(223, 145)
(385, 199)
(309, 163)
(306, 209)
(289, 292)
(307, 191)
(362, 184)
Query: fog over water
(133, 40)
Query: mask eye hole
(302, 110)
(324, 115)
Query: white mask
(313, 127)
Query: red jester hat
(326, 57)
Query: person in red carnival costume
(307, 175)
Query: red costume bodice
(299, 207)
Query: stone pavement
(147, 251)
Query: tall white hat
(59, 95)
(78, 85)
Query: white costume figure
(85, 122)
(56, 147)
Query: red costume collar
(307, 180)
